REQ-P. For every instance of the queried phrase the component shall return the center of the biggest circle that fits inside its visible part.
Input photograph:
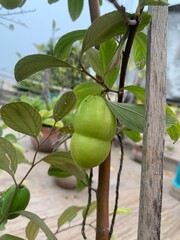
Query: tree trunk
(153, 141)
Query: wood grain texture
(153, 142)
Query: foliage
(55, 79)
(113, 33)
(14, 140)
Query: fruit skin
(20, 201)
(94, 128)
(11, 4)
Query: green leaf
(20, 153)
(3, 224)
(170, 119)
(31, 64)
(75, 8)
(57, 172)
(145, 20)
(139, 92)
(52, 1)
(139, 50)
(84, 89)
(92, 208)
(69, 129)
(170, 111)
(64, 44)
(143, 3)
(64, 105)
(103, 28)
(45, 113)
(64, 161)
(68, 215)
(122, 211)
(80, 186)
(133, 135)
(1, 131)
(174, 132)
(113, 237)
(39, 222)
(100, 2)
(131, 115)
(115, 61)
(94, 60)
(107, 52)
(11, 137)
(21, 117)
(10, 237)
(8, 157)
(32, 230)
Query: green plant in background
(14, 139)
(50, 82)
(46, 110)
(106, 44)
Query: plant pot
(50, 143)
(137, 152)
(68, 183)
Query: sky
(38, 30)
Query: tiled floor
(49, 200)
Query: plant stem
(102, 217)
(132, 32)
(117, 185)
(88, 205)
(94, 9)
(125, 59)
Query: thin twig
(88, 205)
(122, 10)
(88, 74)
(117, 185)
(16, 13)
(61, 141)
(73, 226)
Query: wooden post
(153, 141)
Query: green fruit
(11, 4)
(20, 201)
(94, 128)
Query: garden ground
(49, 200)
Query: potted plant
(49, 134)
(14, 139)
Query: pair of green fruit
(11, 4)
(20, 201)
(94, 128)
